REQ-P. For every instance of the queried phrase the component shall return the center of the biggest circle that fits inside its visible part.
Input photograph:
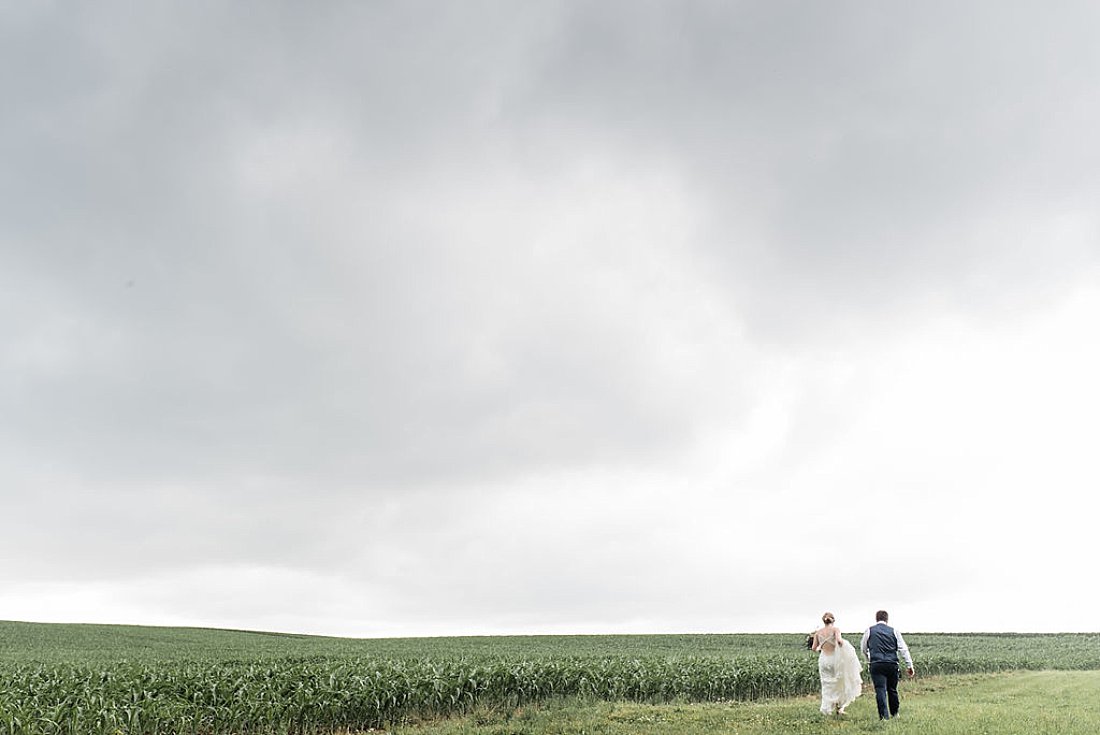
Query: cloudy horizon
(388, 319)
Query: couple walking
(840, 668)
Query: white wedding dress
(840, 675)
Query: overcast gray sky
(411, 318)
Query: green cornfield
(112, 680)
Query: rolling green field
(125, 679)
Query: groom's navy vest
(882, 644)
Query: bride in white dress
(838, 666)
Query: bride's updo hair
(828, 618)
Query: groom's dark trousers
(884, 675)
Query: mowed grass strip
(1016, 703)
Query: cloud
(853, 159)
(503, 318)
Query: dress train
(841, 682)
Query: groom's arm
(863, 644)
(904, 650)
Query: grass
(131, 680)
(1016, 703)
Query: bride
(838, 666)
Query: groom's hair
(881, 616)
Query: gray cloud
(855, 157)
(317, 291)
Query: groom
(880, 646)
